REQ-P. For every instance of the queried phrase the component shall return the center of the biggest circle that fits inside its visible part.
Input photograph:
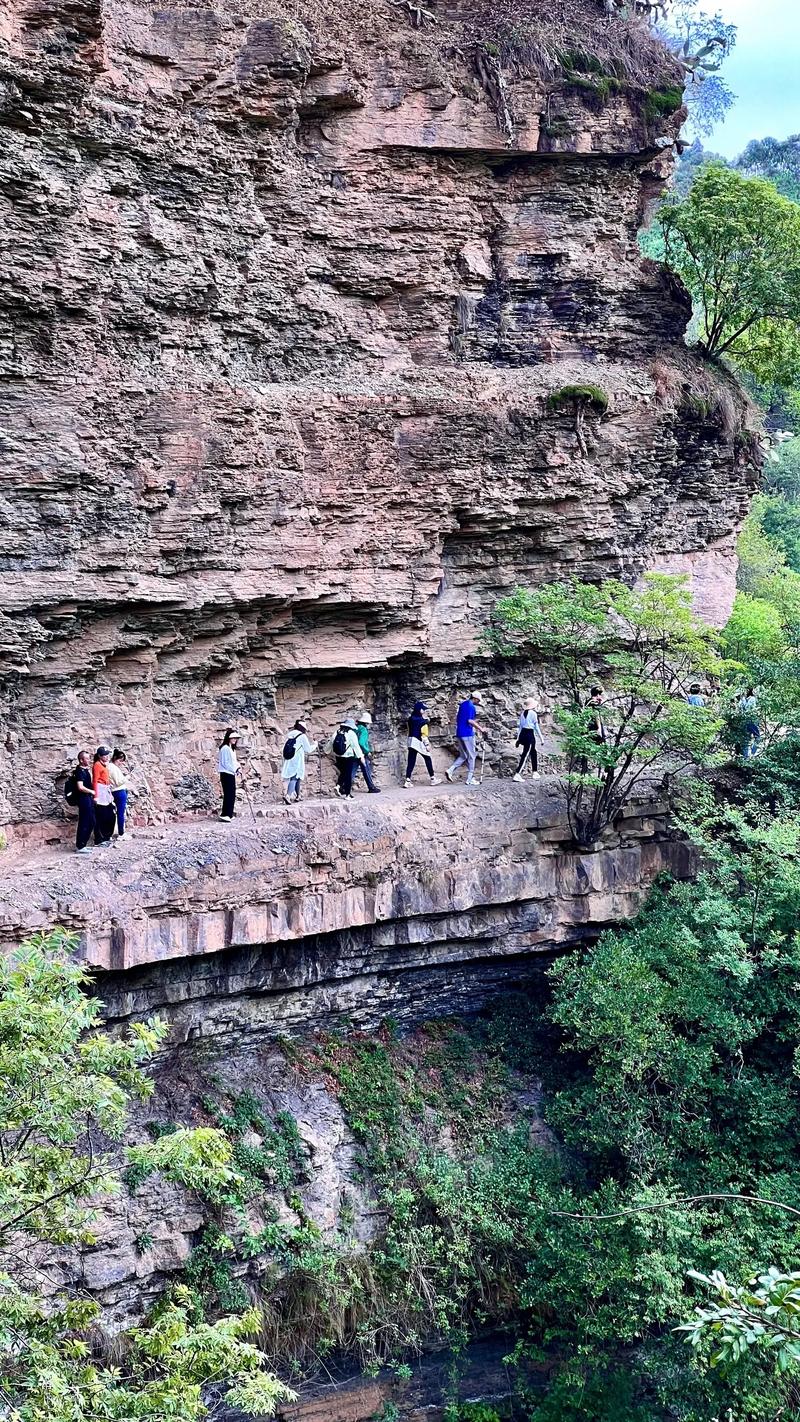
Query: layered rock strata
(394, 907)
(290, 300)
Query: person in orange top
(105, 811)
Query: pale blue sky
(763, 71)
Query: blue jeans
(121, 802)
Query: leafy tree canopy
(735, 242)
(647, 646)
(64, 1084)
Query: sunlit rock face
(287, 296)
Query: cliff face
(287, 294)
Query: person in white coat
(293, 771)
(228, 768)
(529, 737)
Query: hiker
(362, 731)
(467, 728)
(228, 767)
(293, 771)
(118, 773)
(348, 755)
(751, 731)
(595, 726)
(528, 733)
(695, 697)
(105, 811)
(418, 744)
(79, 791)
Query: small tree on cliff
(63, 1083)
(735, 243)
(647, 647)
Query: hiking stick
(483, 760)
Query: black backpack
(288, 747)
(339, 743)
(71, 789)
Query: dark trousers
(228, 783)
(85, 820)
(105, 818)
(347, 766)
(412, 760)
(528, 751)
(121, 804)
(366, 771)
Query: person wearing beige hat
(529, 732)
(228, 768)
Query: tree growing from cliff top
(735, 243)
(647, 647)
(64, 1085)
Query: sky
(763, 71)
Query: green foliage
(588, 395)
(775, 159)
(763, 1313)
(735, 242)
(63, 1080)
(660, 103)
(648, 646)
(754, 632)
(48, 1374)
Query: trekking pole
(483, 761)
(247, 798)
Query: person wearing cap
(418, 743)
(228, 768)
(467, 728)
(362, 731)
(293, 770)
(528, 733)
(105, 811)
(348, 758)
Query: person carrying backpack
(349, 756)
(418, 743)
(362, 731)
(105, 811)
(79, 792)
(293, 771)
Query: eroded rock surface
(286, 294)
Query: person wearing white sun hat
(529, 732)
(228, 768)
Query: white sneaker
(435, 780)
(448, 775)
(85, 850)
(518, 778)
(225, 819)
(471, 782)
(535, 775)
(406, 784)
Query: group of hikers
(352, 752)
(99, 787)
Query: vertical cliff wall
(289, 296)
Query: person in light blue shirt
(228, 768)
(528, 733)
(695, 697)
(467, 728)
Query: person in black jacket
(84, 789)
(418, 743)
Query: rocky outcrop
(288, 300)
(366, 910)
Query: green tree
(65, 1085)
(648, 646)
(735, 242)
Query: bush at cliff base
(63, 1083)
